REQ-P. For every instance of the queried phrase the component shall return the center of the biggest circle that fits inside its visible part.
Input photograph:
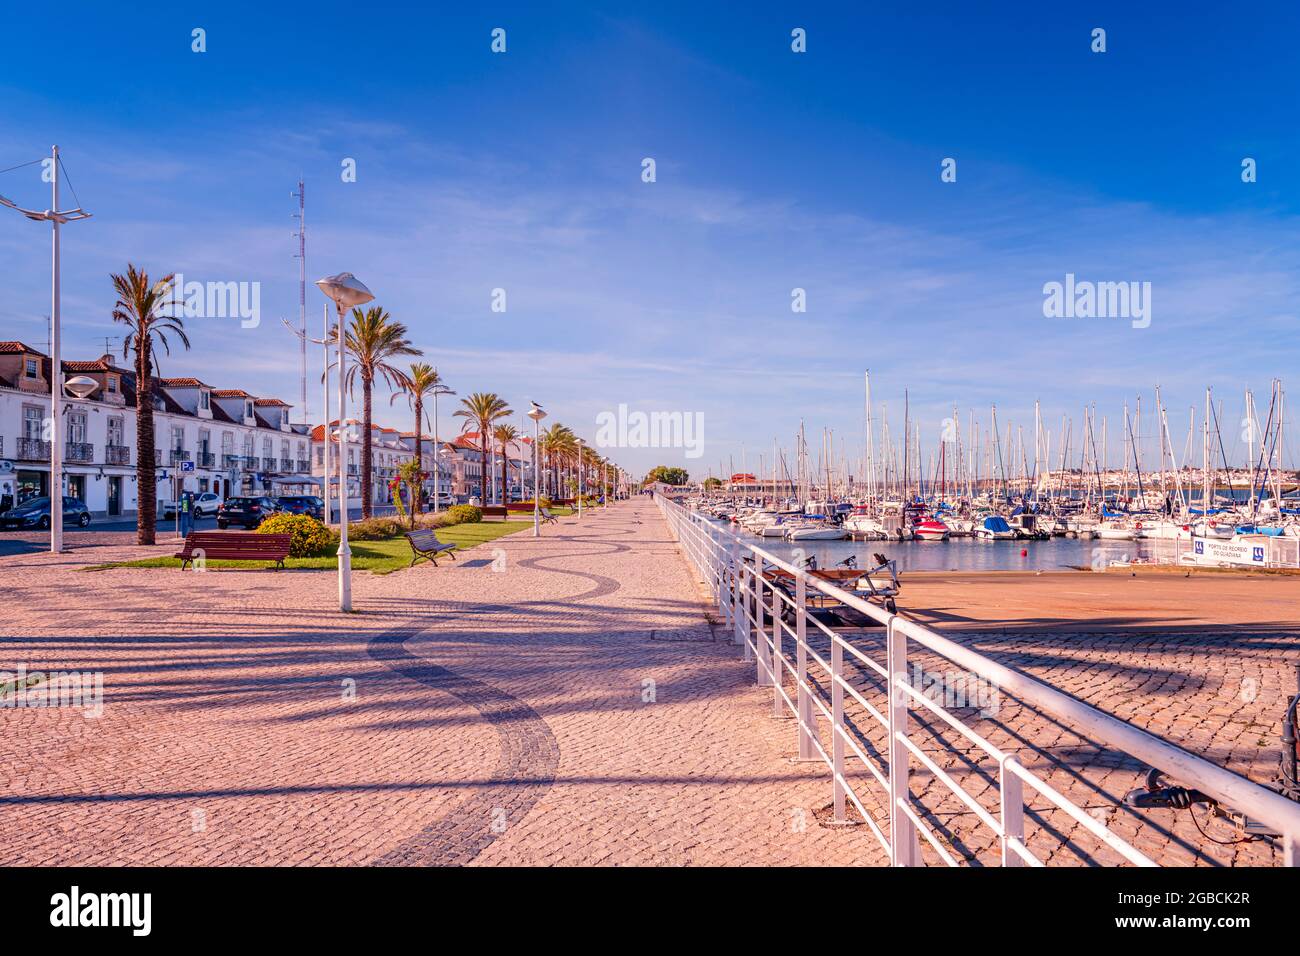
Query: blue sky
(775, 170)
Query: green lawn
(381, 557)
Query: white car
(204, 504)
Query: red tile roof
(13, 348)
(180, 383)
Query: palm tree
(374, 340)
(140, 306)
(505, 435)
(481, 410)
(559, 441)
(423, 379)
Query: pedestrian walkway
(560, 700)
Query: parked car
(204, 504)
(302, 505)
(35, 513)
(444, 498)
(246, 511)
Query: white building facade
(225, 441)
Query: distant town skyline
(777, 176)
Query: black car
(246, 512)
(302, 505)
(34, 513)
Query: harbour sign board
(1252, 551)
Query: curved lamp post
(347, 292)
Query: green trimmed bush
(465, 514)
(440, 520)
(309, 539)
(376, 529)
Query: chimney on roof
(106, 358)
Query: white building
(389, 449)
(220, 440)
(454, 467)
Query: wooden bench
(234, 546)
(425, 544)
(495, 511)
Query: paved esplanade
(559, 700)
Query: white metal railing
(751, 606)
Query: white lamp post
(437, 444)
(56, 219)
(325, 379)
(536, 414)
(580, 477)
(347, 292)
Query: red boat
(930, 529)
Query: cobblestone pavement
(562, 700)
(573, 707)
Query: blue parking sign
(187, 466)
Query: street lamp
(536, 413)
(580, 477)
(326, 340)
(437, 481)
(56, 219)
(347, 292)
(80, 386)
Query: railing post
(904, 848)
(761, 659)
(1291, 848)
(734, 580)
(747, 604)
(778, 670)
(1013, 811)
(718, 563)
(837, 728)
(806, 720)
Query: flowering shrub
(309, 538)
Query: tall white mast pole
(56, 375)
(325, 380)
(302, 303)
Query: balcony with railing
(117, 455)
(179, 455)
(33, 449)
(286, 464)
(206, 459)
(79, 451)
(304, 465)
(231, 461)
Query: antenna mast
(301, 236)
